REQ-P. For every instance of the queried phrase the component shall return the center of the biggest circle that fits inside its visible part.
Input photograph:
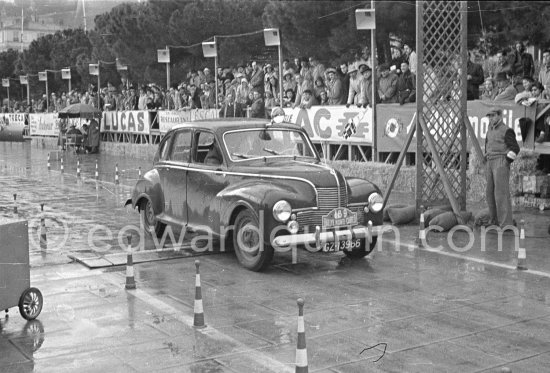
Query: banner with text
(336, 124)
(168, 119)
(43, 124)
(134, 122)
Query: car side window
(182, 147)
(207, 150)
(162, 153)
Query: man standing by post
(501, 149)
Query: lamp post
(94, 70)
(365, 20)
(209, 49)
(43, 77)
(163, 56)
(6, 83)
(24, 79)
(66, 75)
(272, 37)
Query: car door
(173, 177)
(205, 179)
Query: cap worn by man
(501, 77)
(331, 70)
(493, 111)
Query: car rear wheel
(247, 242)
(362, 251)
(149, 221)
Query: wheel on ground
(362, 251)
(247, 242)
(149, 221)
(30, 303)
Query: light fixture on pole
(43, 77)
(163, 56)
(272, 37)
(66, 75)
(209, 49)
(24, 79)
(365, 20)
(94, 70)
(6, 83)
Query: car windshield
(267, 143)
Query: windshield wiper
(271, 151)
(242, 156)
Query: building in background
(17, 34)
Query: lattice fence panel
(441, 97)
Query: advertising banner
(66, 74)
(44, 124)
(168, 119)
(133, 122)
(336, 124)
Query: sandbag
(448, 219)
(402, 215)
(385, 215)
(432, 213)
(482, 218)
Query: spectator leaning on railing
(335, 90)
(506, 91)
(387, 85)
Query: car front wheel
(362, 250)
(149, 221)
(247, 242)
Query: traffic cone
(62, 167)
(522, 254)
(301, 350)
(116, 174)
(198, 319)
(96, 171)
(15, 203)
(421, 229)
(49, 165)
(43, 238)
(130, 280)
(78, 167)
(139, 173)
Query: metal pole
(69, 85)
(8, 88)
(98, 88)
(28, 92)
(216, 73)
(47, 96)
(374, 91)
(280, 71)
(167, 74)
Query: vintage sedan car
(259, 186)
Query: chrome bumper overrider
(318, 238)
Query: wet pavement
(430, 309)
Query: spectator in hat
(406, 85)
(342, 73)
(257, 78)
(505, 90)
(242, 92)
(302, 85)
(270, 103)
(308, 99)
(257, 109)
(132, 100)
(489, 89)
(527, 84)
(287, 68)
(267, 75)
(289, 82)
(366, 87)
(208, 76)
(354, 94)
(335, 91)
(289, 98)
(318, 69)
(387, 85)
(501, 149)
(318, 88)
(208, 97)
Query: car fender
(149, 187)
(359, 192)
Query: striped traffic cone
(43, 238)
(421, 228)
(301, 350)
(522, 254)
(96, 171)
(15, 203)
(49, 165)
(198, 319)
(130, 280)
(139, 172)
(116, 174)
(62, 167)
(78, 167)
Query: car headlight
(376, 202)
(293, 226)
(282, 211)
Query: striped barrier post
(43, 237)
(130, 279)
(198, 318)
(522, 253)
(301, 349)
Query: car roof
(229, 124)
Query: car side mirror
(264, 136)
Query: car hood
(322, 176)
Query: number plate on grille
(339, 217)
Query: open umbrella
(79, 110)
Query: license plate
(341, 245)
(339, 217)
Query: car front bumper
(319, 237)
